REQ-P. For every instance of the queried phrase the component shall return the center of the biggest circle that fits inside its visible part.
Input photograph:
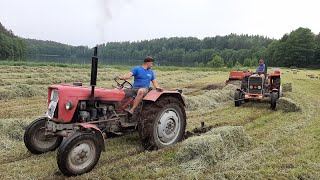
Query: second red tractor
(259, 87)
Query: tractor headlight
(69, 105)
(259, 87)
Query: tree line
(51, 48)
(300, 48)
(10, 45)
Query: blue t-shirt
(261, 68)
(142, 77)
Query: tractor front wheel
(274, 98)
(78, 154)
(35, 139)
(237, 97)
(162, 123)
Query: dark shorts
(134, 91)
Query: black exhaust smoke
(94, 70)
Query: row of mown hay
(11, 137)
(211, 98)
(287, 87)
(198, 152)
(288, 105)
(21, 90)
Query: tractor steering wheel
(126, 84)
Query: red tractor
(259, 87)
(79, 118)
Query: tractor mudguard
(154, 95)
(97, 131)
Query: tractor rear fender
(96, 130)
(154, 95)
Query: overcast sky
(90, 22)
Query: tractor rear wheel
(237, 97)
(78, 154)
(162, 123)
(35, 139)
(274, 97)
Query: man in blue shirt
(142, 77)
(261, 70)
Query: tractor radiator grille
(255, 85)
(55, 115)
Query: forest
(299, 48)
(11, 45)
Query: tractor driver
(262, 69)
(141, 83)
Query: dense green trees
(10, 45)
(250, 62)
(216, 62)
(300, 48)
(317, 51)
(50, 48)
(183, 51)
(186, 51)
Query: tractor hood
(84, 93)
(73, 94)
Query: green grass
(284, 145)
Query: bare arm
(126, 76)
(155, 84)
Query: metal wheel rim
(168, 126)
(41, 140)
(82, 155)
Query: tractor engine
(104, 114)
(91, 111)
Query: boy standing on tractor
(141, 83)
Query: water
(71, 60)
(102, 61)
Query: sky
(91, 22)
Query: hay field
(284, 145)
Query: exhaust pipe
(94, 70)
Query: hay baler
(237, 76)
